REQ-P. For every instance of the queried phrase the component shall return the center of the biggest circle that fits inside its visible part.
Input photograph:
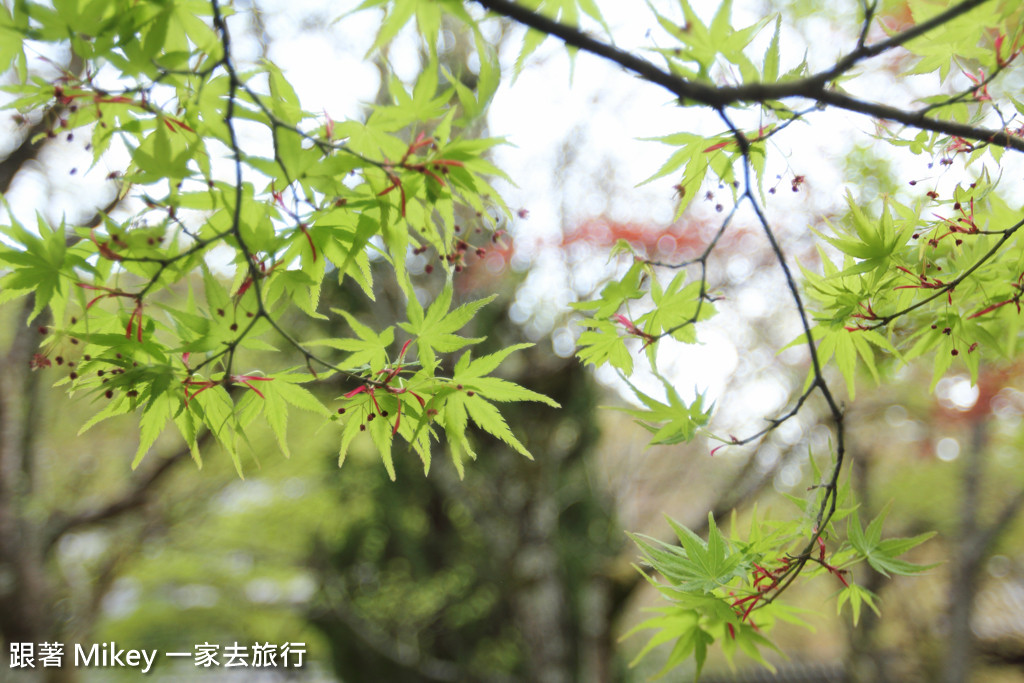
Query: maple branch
(815, 87)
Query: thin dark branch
(815, 87)
(950, 286)
(827, 505)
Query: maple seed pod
(341, 411)
(74, 320)
(74, 341)
(370, 416)
(59, 360)
(132, 394)
(73, 375)
(86, 357)
(954, 352)
(362, 428)
(234, 327)
(99, 373)
(481, 252)
(383, 413)
(220, 312)
(459, 387)
(470, 393)
(109, 393)
(428, 269)
(71, 363)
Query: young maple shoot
(155, 329)
(150, 338)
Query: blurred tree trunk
(28, 611)
(968, 555)
(865, 661)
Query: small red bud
(954, 352)
(73, 375)
(109, 393)
(341, 411)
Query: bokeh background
(522, 570)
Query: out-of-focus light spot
(195, 595)
(262, 591)
(790, 431)
(957, 393)
(999, 566)
(896, 416)
(563, 343)
(947, 449)
(767, 457)
(789, 477)
(739, 268)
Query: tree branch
(815, 87)
(135, 497)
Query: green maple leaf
(435, 329)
